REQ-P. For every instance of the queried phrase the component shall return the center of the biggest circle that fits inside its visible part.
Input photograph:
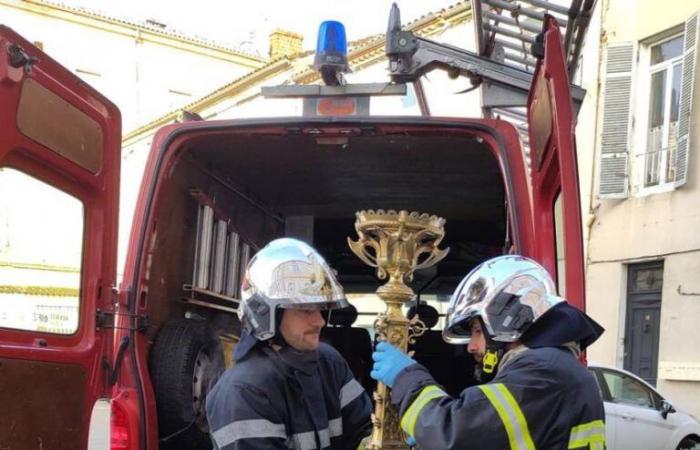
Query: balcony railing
(659, 159)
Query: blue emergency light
(331, 52)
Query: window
(627, 390)
(657, 96)
(41, 233)
(665, 68)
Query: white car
(637, 417)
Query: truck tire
(185, 362)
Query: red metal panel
(554, 165)
(97, 187)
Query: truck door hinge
(105, 319)
(19, 58)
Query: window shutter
(685, 107)
(615, 135)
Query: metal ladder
(507, 30)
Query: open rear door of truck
(59, 180)
(555, 188)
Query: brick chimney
(284, 43)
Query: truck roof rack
(507, 29)
(509, 43)
(507, 32)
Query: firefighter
(527, 342)
(286, 389)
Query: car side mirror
(666, 408)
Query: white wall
(136, 75)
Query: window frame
(643, 114)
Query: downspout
(593, 208)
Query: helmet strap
(278, 338)
(493, 354)
(490, 362)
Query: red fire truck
(135, 372)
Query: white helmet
(508, 293)
(286, 273)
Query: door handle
(627, 417)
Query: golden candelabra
(397, 244)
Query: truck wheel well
(690, 442)
(185, 362)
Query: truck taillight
(120, 432)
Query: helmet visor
(310, 306)
(458, 329)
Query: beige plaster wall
(634, 20)
(660, 226)
(680, 310)
(679, 333)
(586, 125)
(606, 284)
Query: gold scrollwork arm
(381, 327)
(416, 328)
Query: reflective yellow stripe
(408, 421)
(591, 435)
(511, 416)
(363, 443)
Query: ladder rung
(507, 114)
(514, 35)
(520, 10)
(514, 7)
(548, 6)
(510, 21)
(513, 45)
(520, 59)
(516, 114)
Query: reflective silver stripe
(335, 426)
(246, 429)
(325, 438)
(307, 440)
(304, 441)
(350, 392)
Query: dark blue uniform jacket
(283, 399)
(541, 398)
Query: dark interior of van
(309, 183)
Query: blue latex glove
(411, 441)
(388, 362)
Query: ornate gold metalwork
(397, 244)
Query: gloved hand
(388, 362)
(411, 441)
